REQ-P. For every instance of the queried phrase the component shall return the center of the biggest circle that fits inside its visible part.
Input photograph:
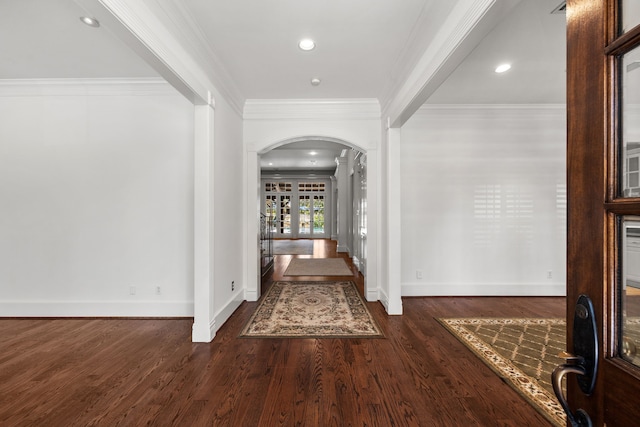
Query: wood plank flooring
(131, 372)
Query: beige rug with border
(523, 352)
(317, 267)
(312, 310)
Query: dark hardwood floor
(132, 372)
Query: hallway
(322, 248)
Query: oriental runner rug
(523, 352)
(312, 310)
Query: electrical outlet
(418, 274)
(233, 285)
(549, 274)
(132, 290)
(158, 290)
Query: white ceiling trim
(408, 58)
(139, 28)
(143, 30)
(316, 109)
(190, 35)
(85, 87)
(441, 107)
(444, 54)
(315, 138)
(504, 111)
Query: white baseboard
(342, 248)
(251, 295)
(96, 309)
(389, 307)
(206, 333)
(229, 308)
(483, 289)
(360, 265)
(384, 299)
(203, 332)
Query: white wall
(484, 201)
(96, 190)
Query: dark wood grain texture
(594, 132)
(588, 174)
(131, 372)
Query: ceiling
(360, 44)
(310, 156)
(363, 48)
(45, 39)
(533, 41)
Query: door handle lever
(581, 418)
(584, 363)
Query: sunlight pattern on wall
(487, 208)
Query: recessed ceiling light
(92, 22)
(315, 81)
(313, 153)
(270, 164)
(307, 44)
(502, 68)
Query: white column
(252, 236)
(393, 229)
(375, 253)
(204, 326)
(334, 208)
(342, 177)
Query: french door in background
(297, 208)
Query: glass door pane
(630, 118)
(270, 212)
(284, 222)
(630, 16)
(304, 215)
(318, 214)
(628, 334)
(630, 290)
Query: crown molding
(464, 28)
(141, 26)
(409, 56)
(509, 107)
(483, 111)
(186, 29)
(86, 87)
(311, 109)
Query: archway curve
(369, 287)
(310, 138)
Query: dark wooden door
(603, 111)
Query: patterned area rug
(312, 310)
(523, 352)
(293, 247)
(317, 267)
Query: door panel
(603, 198)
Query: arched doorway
(315, 187)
